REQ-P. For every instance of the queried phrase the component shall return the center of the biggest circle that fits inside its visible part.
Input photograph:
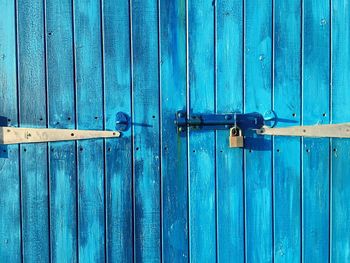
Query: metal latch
(218, 121)
(238, 123)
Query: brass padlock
(236, 138)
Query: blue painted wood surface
(155, 195)
(146, 158)
(258, 163)
(90, 114)
(61, 108)
(202, 176)
(10, 206)
(340, 183)
(118, 159)
(174, 151)
(32, 105)
(316, 155)
(229, 162)
(287, 103)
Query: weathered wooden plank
(287, 105)
(62, 155)
(63, 216)
(89, 96)
(32, 94)
(174, 149)
(10, 228)
(258, 170)
(315, 169)
(340, 184)
(229, 162)
(9, 135)
(116, 21)
(202, 209)
(146, 116)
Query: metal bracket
(122, 121)
(12, 135)
(341, 130)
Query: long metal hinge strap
(12, 135)
(317, 131)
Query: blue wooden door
(155, 195)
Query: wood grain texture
(340, 211)
(202, 208)
(287, 105)
(89, 96)
(147, 225)
(174, 146)
(62, 156)
(118, 189)
(32, 94)
(10, 228)
(258, 95)
(229, 162)
(316, 79)
(153, 195)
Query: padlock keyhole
(235, 132)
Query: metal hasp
(218, 121)
(237, 123)
(12, 135)
(341, 130)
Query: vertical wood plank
(229, 162)
(89, 95)
(316, 81)
(10, 228)
(146, 131)
(60, 80)
(32, 95)
(340, 104)
(287, 91)
(174, 151)
(201, 145)
(258, 94)
(118, 152)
